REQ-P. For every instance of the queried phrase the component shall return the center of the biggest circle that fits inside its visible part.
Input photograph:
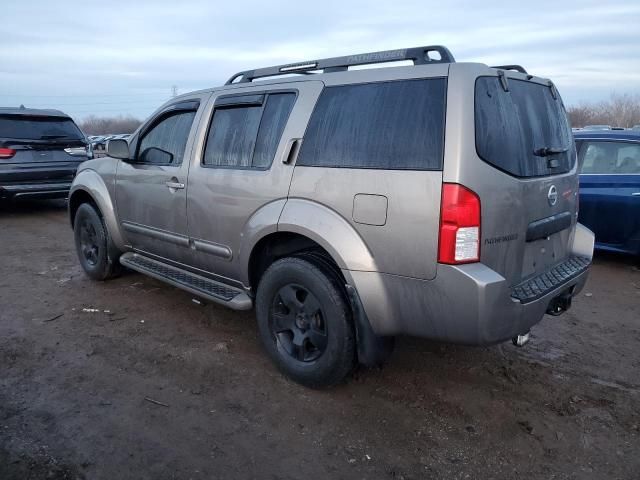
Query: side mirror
(118, 148)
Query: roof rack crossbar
(419, 56)
(517, 68)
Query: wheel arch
(285, 227)
(277, 245)
(89, 187)
(330, 230)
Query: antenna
(174, 91)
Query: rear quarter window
(395, 125)
(511, 125)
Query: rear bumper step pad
(538, 286)
(218, 292)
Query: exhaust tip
(521, 340)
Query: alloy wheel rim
(298, 324)
(89, 243)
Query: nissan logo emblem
(552, 195)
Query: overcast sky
(122, 57)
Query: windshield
(523, 131)
(38, 128)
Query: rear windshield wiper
(53, 137)
(547, 151)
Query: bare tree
(620, 110)
(94, 125)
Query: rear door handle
(635, 194)
(175, 185)
(291, 152)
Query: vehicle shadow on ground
(30, 207)
(619, 259)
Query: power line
(97, 111)
(56, 104)
(148, 102)
(98, 95)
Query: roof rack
(419, 55)
(517, 68)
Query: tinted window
(164, 144)
(511, 125)
(274, 119)
(247, 136)
(610, 157)
(389, 125)
(37, 128)
(232, 136)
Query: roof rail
(419, 55)
(517, 68)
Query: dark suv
(40, 151)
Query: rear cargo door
(521, 161)
(41, 148)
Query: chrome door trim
(157, 234)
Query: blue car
(610, 188)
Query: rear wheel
(305, 322)
(92, 243)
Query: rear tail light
(77, 151)
(459, 225)
(6, 153)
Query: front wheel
(92, 242)
(305, 322)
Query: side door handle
(292, 150)
(635, 194)
(174, 185)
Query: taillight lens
(77, 151)
(459, 225)
(7, 153)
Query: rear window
(38, 128)
(512, 125)
(395, 125)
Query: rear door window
(395, 125)
(247, 136)
(523, 131)
(26, 127)
(606, 157)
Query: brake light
(77, 151)
(459, 225)
(7, 153)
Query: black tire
(92, 244)
(310, 336)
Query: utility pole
(174, 91)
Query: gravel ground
(131, 379)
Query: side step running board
(218, 292)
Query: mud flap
(373, 350)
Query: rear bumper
(35, 190)
(467, 304)
(37, 180)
